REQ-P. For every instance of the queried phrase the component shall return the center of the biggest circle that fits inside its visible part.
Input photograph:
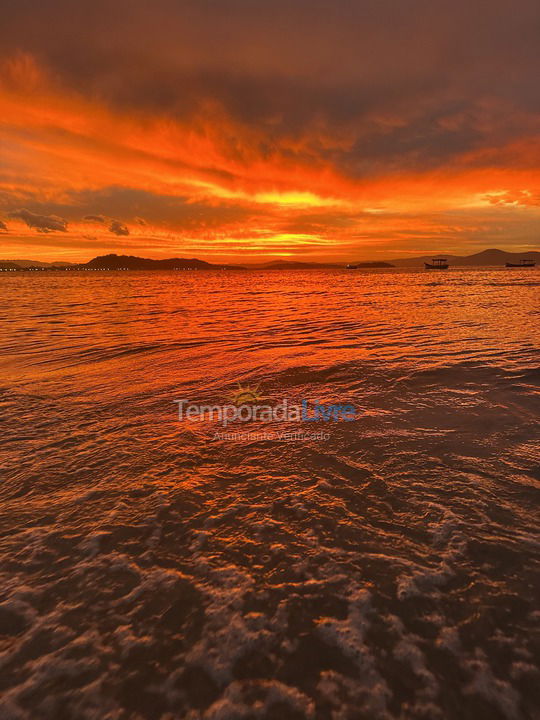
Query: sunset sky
(247, 130)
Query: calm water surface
(151, 569)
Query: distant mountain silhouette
(292, 265)
(298, 265)
(37, 263)
(373, 264)
(486, 258)
(132, 262)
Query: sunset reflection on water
(390, 565)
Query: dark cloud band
(41, 223)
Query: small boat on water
(522, 264)
(351, 267)
(436, 264)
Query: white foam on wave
(229, 633)
(450, 543)
(449, 639)
(498, 692)
(349, 636)
(408, 651)
(235, 705)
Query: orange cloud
(209, 182)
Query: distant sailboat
(437, 264)
(523, 263)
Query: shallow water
(153, 569)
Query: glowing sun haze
(242, 130)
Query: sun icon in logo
(246, 395)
